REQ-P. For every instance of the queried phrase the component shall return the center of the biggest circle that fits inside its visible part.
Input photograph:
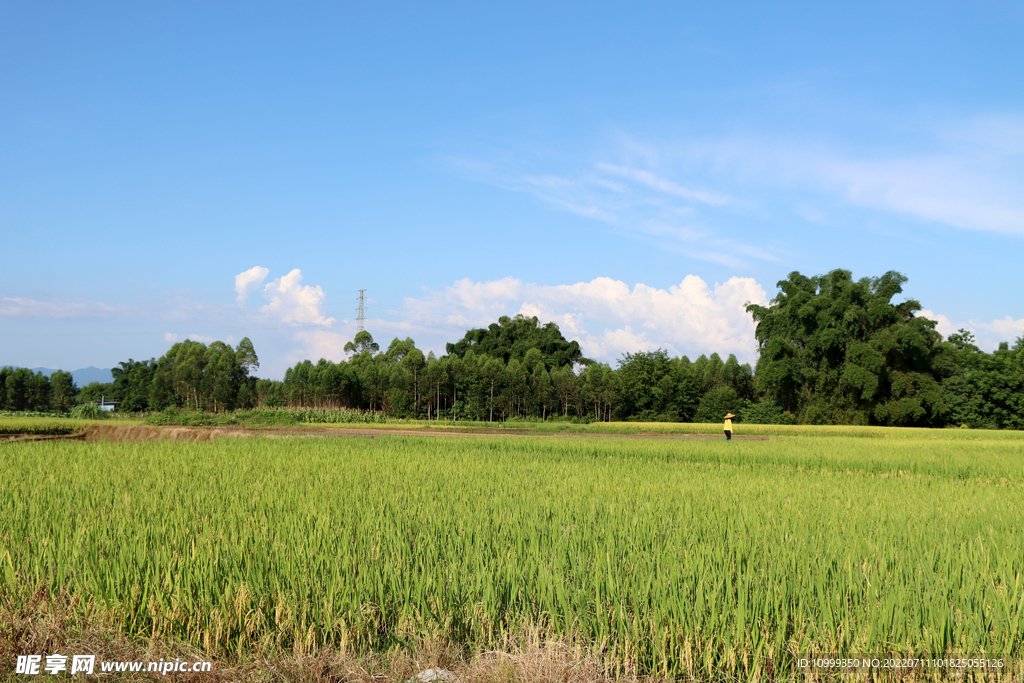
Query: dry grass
(102, 432)
(48, 623)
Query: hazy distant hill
(82, 376)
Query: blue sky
(633, 172)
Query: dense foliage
(402, 382)
(514, 338)
(24, 390)
(190, 375)
(835, 351)
(983, 390)
(832, 350)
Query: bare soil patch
(398, 431)
(121, 433)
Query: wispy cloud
(707, 197)
(967, 174)
(637, 201)
(62, 308)
(665, 185)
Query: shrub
(716, 403)
(259, 417)
(184, 418)
(766, 413)
(88, 411)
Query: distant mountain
(82, 376)
(90, 374)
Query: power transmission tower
(361, 312)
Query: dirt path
(397, 431)
(102, 432)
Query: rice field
(10, 426)
(672, 558)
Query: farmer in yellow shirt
(728, 426)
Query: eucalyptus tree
(62, 391)
(363, 342)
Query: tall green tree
(18, 389)
(835, 350)
(62, 391)
(133, 383)
(984, 390)
(362, 343)
(645, 378)
(514, 337)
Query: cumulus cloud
(249, 281)
(330, 344)
(987, 334)
(944, 325)
(291, 301)
(1005, 329)
(173, 338)
(610, 318)
(318, 344)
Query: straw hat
(729, 415)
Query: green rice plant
(263, 417)
(30, 413)
(176, 416)
(40, 426)
(339, 416)
(675, 557)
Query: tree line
(21, 390)
(832, 350)
(190, 375)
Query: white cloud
(482, 299)
(944, 325)
(611, 344)
(291, 301)
(988, 335)
(941, 189)
(665, 185)
(642, 202)
(173, 338)
(686, 194)
(968, 175)
(249, 281)
(319, 344)
(608, 317)
(61, 308)
(1003, 330)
